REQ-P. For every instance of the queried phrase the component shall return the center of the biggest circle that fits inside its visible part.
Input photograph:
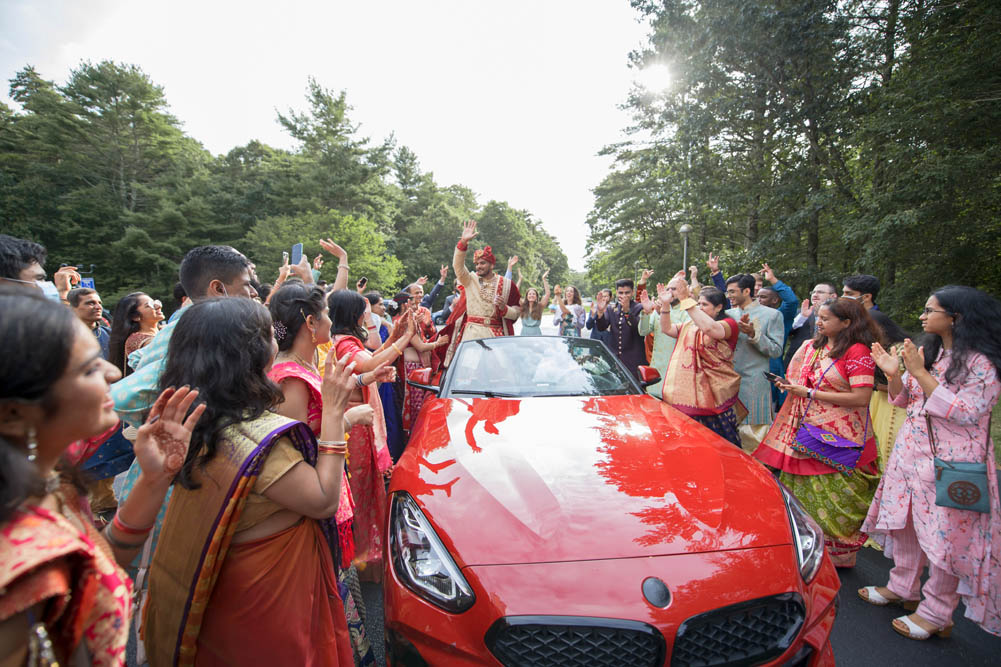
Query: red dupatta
(352, 346)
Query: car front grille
(568, 641)
(742, 634)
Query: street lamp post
(685, 230)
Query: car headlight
(807, 536)
(421, 561)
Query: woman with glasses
(829, 384)
(949, 385)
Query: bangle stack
(338, 447)
(125, 530)
(359, 380)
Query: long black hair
(976, 328)
(221, 347)
(289, 306)
(346, 308)
(38, 336)
(124, 323)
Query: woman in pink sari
(369, 462)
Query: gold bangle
(398, 350)
(342, 450)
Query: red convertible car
(548, 512)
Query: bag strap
(987, 440)
(865, 432)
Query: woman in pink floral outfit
(953, 379)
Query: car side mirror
(421, 379)
(648, 376)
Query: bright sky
(512, 98)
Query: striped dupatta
(198, 530)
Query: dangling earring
(312, 334)
(32, 444)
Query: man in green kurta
(762, 332)
(663, 345)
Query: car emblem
(656, 592)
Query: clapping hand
(746, 326)
(886, 361)
(914, 357)
(647, 304)
(162, 443)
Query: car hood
(552, 479)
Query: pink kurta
(964, 543)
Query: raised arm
(459, 256)
(161, 448)
(341, 282)
(545, 286)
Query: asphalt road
(862, 633)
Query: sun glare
(654, 77)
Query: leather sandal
(873, 597)
(912, 630)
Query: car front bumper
(418, 632)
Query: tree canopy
(827, 137)
(101, 173)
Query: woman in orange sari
(65, 595)
(700, 380)
(243, 572)
(369, 462)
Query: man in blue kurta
(761, 334)
(780, 296)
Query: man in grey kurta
(762, 332)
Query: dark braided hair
(289, 306)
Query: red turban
(485, 254)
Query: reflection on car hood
(555, 479)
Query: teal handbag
(959, 484)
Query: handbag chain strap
(934, 449)
(816, 358)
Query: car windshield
(537, 366)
